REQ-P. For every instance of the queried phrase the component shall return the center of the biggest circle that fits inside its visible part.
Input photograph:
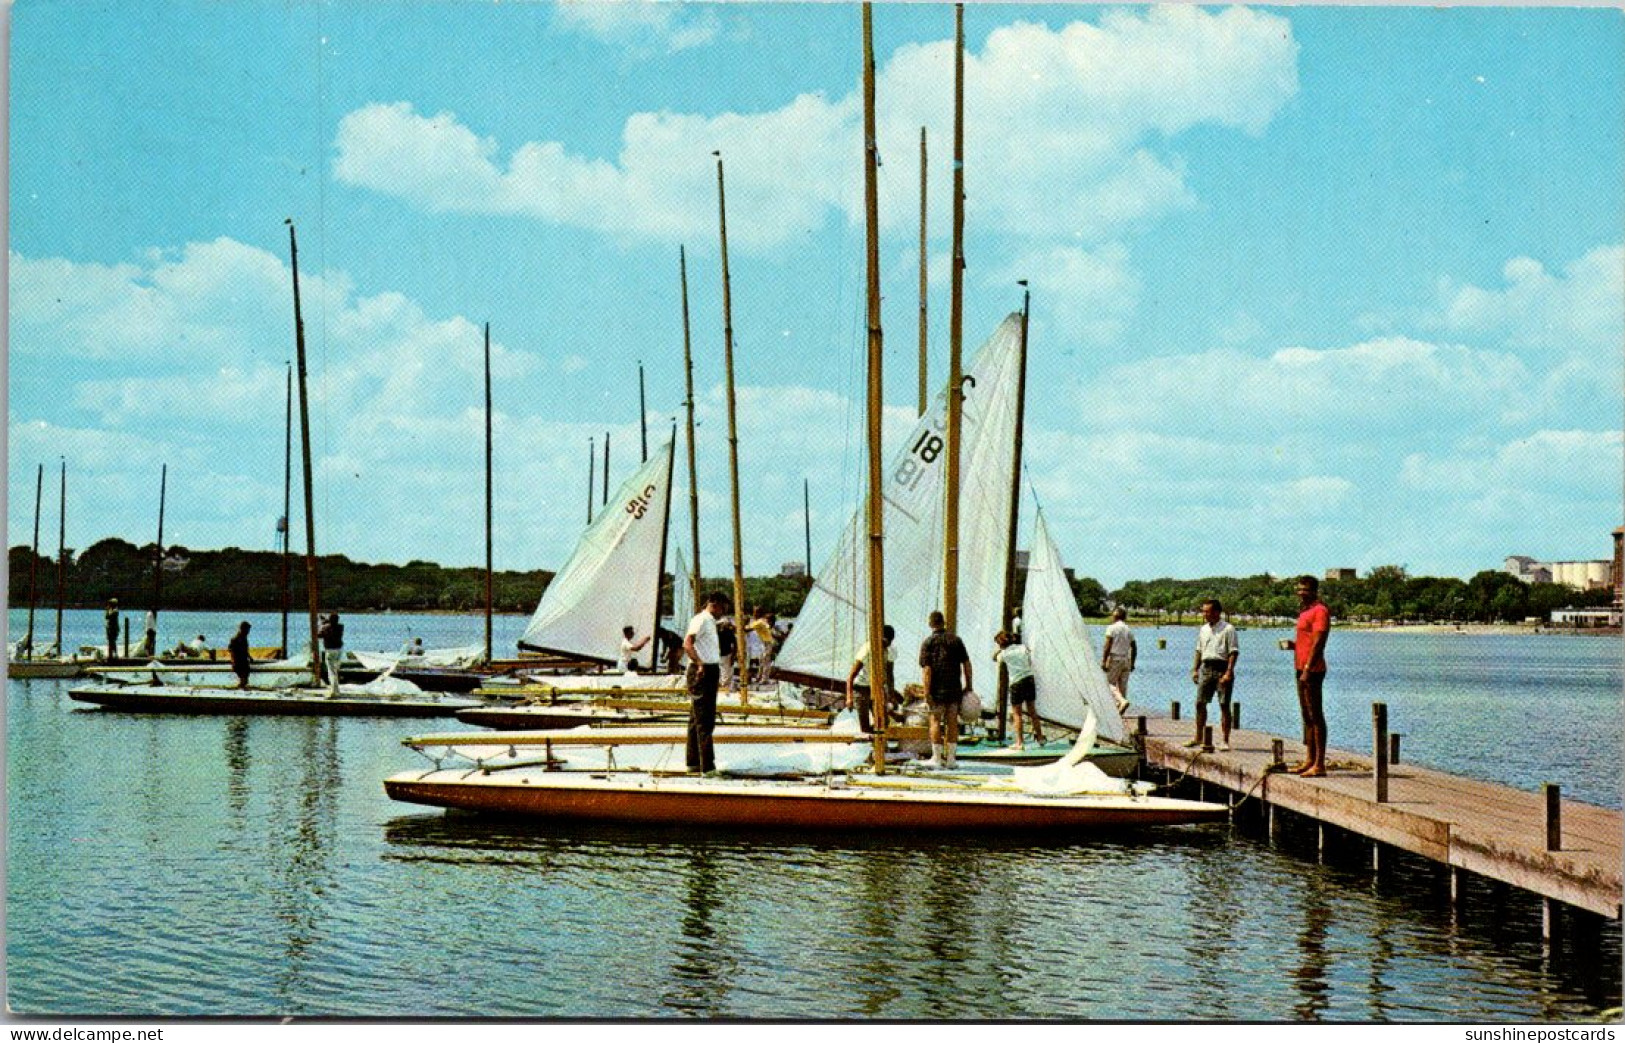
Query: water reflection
(302, 837)
(704, 968)
(1309, 977)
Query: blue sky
(1312, 286)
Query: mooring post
(1277, 753)
(1173, 710)
(1379, 749)
(1393, 748)
(126, 637)
(1235, 716)
(1207, 737)
(1139, 733)
(1271, 818)
(1554, 816)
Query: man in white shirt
(1018, 666)
(629, 650)
(1214, 669)
(863, 700)
(1117, 659)
(704, 654)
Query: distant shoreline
(1469, 629)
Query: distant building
(1342, 574)
(792, 569)
(176, 563)
(1582, 575)
(1585, 617)
(1520, 565)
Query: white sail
(682, 594)
(833, 621)
(1066, 668)
(613, 578)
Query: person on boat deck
(332, 634)
(149, 643)
(1213, 669)
(110, 617)
(413, 647)
(863, 701)
(196, 648)
(703, 648)
(760, 643)
(1118, 657)
(629, 650)
(671, 646)
(237, 648)
(942, 656)
(1309, 664)
(1017, 661)
(728, 646)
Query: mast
(923, 364)
(605, 500)
(287, 504)
(592, 473)
(312, 592)
(806, 517)
(956, 390)
(158, 559)
(660, 571)
(61, 557)
(1007, 616)
(33, 558)
(877, 665)
(741, 656)
(643, 417)
(693, 480)
(490, 586)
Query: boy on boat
(237, 648)
(1017, 661)
(863, 701)
(942, 657)
(628, 659)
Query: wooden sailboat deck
(1491, 830)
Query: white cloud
(1089, 294)
(1384, 389)
(639, 23)
(1065, 128)
(1581, 307)
(1557, 464)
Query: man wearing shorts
(942, 657)
(1214, 669)
(1117, 658)
(1309, 665)
(1018, 665)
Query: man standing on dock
(1117, 658)
(110, 617)
(942, 657)
(1214, 669)
(704, 653)
(332, 635)
(237, 648)
(1309, 664)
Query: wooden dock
(1490, 830)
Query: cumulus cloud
(1583, 306)
(639, 23)
(1090, 295)
(1070, 129)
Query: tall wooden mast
(741, 656)
(61, 556)
(656, 645)
(643, 417)
(693, 476)
(806, 519)
(490, 585)
(312, 590)
(605, 500)
(924, 364)
(287, 505)
(1007, 616)
(877, 665)
(956, 390)
(33, 557)
(592, 474)
(158, 558)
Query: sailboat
(582, 775)
(24, 658)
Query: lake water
(253, 866)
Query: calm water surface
(253, 866)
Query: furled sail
(1066, 668)
(833, 621)
(613, 578)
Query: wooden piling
(1379, 750)
(1554, 816)
(1393, 748)
(1173, 710)
(1235, 716)
(1207, 738)
(1277, 752)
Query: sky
(1311, 287)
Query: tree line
(241, 580)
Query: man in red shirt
(1309, 665)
